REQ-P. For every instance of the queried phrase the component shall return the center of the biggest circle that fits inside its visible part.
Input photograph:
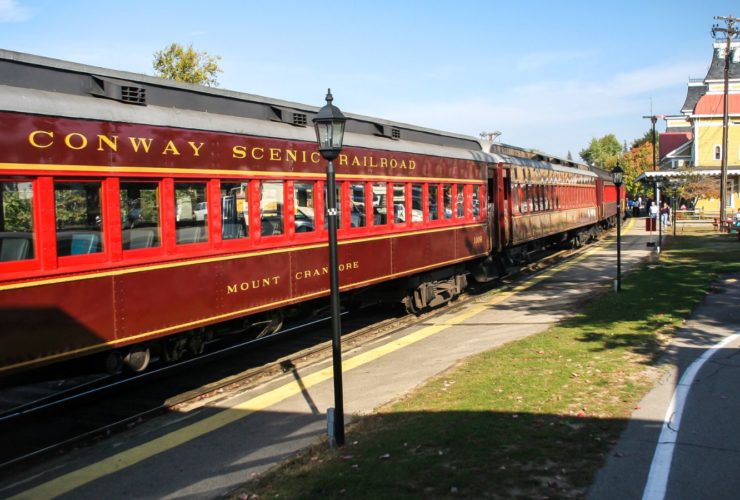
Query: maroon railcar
(142, 212)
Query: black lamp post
(658, 218)
(329, 124)
(617, 174)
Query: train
(140, 217)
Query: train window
(303, 203)
(380, 207)
(357, 205)
(476, 201)
(417, 203)
(271, 208)
(79, 217)
(234, 210)
(447, 199)
(433, 202)
(191, 212)
(140, 227)
(16, 221)
(460, 201)
(399, 203)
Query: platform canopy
(675, 175)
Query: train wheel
(197, 342)
(137, 358)
(113, 362)
(174, 348)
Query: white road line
(660, 467)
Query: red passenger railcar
(142, 212)
(141, 215)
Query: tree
(647, 138)
(603, 152)
(637, 160)
(187, 65)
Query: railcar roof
(30, 83)
(532, 163)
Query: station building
(692, 141)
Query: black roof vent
(290, 116)
(300, 119)
(133, 95)
(118, 90)
(387, 131)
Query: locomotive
(141, 216)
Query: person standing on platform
(665, 214)
(653, 210)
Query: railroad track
(135, 399)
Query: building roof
(697, 88)
(713, 104)
(670, 141)
(717, 67)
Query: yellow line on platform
(68, 482)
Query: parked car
(200, 212)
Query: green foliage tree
(603, 152)
(187, 65)
(637, 160)
(16, 211)
(647, 138)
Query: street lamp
(617, 174)
(657, 218)
(329, 124)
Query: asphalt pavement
(682, 441)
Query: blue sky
(549, 75)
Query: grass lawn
(532, 419)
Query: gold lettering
(143, 142)
(196, 150)
(171, 148)
(343, 159)
(315, 157)
(244, 286)
(68, 140)
(412, 164)
(291, 154)
(266, 281)
(231, 289)
(239, 152)
(254, 153)
(112, 144)
(274, 154)
(393, 163)
(35, 144)
(355, 162)
(384, 163)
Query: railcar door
(498, 206)
(600, 199)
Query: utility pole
(730, 33)
(653, 119)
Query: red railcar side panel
(50, 320)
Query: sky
(549, 75)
